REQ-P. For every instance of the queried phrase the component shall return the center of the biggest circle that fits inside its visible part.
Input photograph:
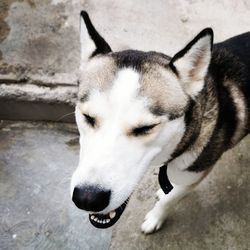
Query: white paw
(153, 222)
(160, 194)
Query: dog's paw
(152, 222)
(160, 194)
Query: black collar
(164, 182)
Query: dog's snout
(91, 198)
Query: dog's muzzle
(108, 220)
(95, 199)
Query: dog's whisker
(65, 116)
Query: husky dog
(134, 105)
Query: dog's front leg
(156, 217)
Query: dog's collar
(164, 182)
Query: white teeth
(92, 217)
(103, 221)
(112, 214)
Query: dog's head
(131, 107)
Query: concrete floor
(36, 162)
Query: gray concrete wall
(39, 53)
(39, 47)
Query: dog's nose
(91, 198)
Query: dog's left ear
(191, 63)
(92, 43)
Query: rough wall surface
(39, 45)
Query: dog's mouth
(109, 219)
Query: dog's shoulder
(231, 58)
(228, 93)
(230, 65)
(239, 46)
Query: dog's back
(235, 53)
(239, 46)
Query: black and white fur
(134, 106)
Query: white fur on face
(109, 156)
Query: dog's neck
(200, 122)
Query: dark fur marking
(173, 68)
(205, 32)
(102, 46)
(157, 110)
(138, 59)
(173, 116)
(192, 129)
(83, 98)
(237, 49)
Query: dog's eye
(90, 120)
(143, 130)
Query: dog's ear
(92, 43)
(191, 63)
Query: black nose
(91, 198)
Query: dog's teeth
(107, 220)
(95, 219)
(112, 214)
(92, 217)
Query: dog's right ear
(92, 43)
